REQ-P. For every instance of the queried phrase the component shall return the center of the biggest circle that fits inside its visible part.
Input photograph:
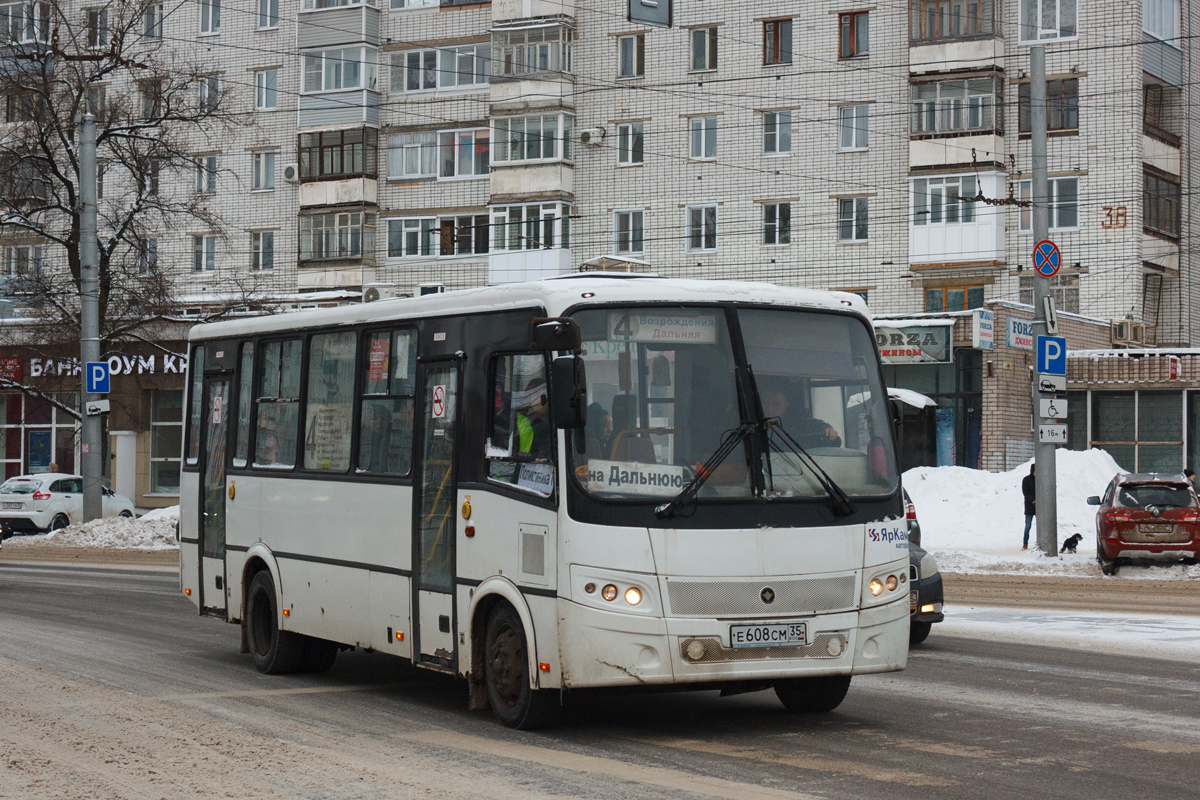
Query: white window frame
(450, 143)
(777, 133)
(1161, 19)
(631, 53)
(701, 226)
(204, 252)
(418, 149)
(210, 93)
(510, 131)
(943, 210)
(629, 231)
(860, 215)
(350, 233)
(333, 65)
(174, 456)
(702, 138)
(413, 5)
(97, 28)
(206, 174)
(268, 15)
(147, 256)
(525, 226)
(210, 17)
(777, 223)
(1025, 213)
(266, 90)
(854, 133)
(446, 62)
(23, 259)
(30, 20)
(420, 237)
(946, 108)
(324, 5)
(262, 250)
(703, 49)
(631, 147)
(1046, 34)
(262, 171)
(152, 23)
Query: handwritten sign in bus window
(666, 327)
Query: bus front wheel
(506, 666)
(275, 652)
(813, 695)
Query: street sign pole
(91, 459)
(1045, 483)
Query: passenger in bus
(598, 431)
(533, 422)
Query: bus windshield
(663, 393)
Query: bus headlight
(892, 583)
(875, 586)
(633, 595)
(609, 592)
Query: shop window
(329, 403)
(278, 405)
(389, 380)
(35, 436)
(521, 440)
(166, 440)
(1143, 431)
(956, 298)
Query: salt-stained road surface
(111, 687)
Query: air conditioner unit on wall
(291, 173)
(379, 291)
(592, 136)
(1122, 332)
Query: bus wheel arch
(488, 595)
(257, 560)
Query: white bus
(579, 482)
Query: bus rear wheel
(506, 667)
(275, 652)
(813, 695)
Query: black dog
(1071, 543)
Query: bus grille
(745, 598)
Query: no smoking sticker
(439, 401)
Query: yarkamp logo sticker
(897, 535)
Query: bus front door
(433, 546)
(215, 422)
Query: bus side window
(389, 380)
(196, 371)
(241, 451)
(329, 403)
(277, 405)
(521, 441)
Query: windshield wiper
(839, 500)
(688, 493)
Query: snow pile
(973, 520)
(170, 512)
(154, 531)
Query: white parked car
(50, 501)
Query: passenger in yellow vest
(533, 423)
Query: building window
(944, 19)
(389, 384)
(1161, 200)
(204, 253)
(166, 440)
(444, 68)
(631, 56)
(956, 106)
(1063, 287)
(22, 107)
(704, 49)
(210, 16)
(206, 174)
(23, 259)
(1160, 19)
(1043, 20)
(338, 154)
(150, 99)
(97, 27)
(401, 5)
(437, 236)
(210, 93)
(855, 35)
(1062, 106)
(101, 169)
(152, 20)
(703, 137)
(777, 42)
(1162, 115)
(629, 143)
(262, 250)
(534, 226)
(266, 88)
(263, 179)
(777, 132)
(149, 178)
(268, 14)
(956, 298)
(464, 154)
(412, 155)
(852, 219)
(538, 138)
(529, 51)
(1064, 204)
(944, 200)
(339, 69)
(317, 5)
(24, 22)
(630, 232)
(147, 260)
(852, 127)
(777, 223)
(702, 227)
(338, 234)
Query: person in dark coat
(1029, 489)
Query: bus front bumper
(615, 649)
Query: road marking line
(858, 769)
(274, 692)
(624, 770)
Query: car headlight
(928, 567)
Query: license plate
(773, 634)
(14, 505)
(1155, 528)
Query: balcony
(319, 26)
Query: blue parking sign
(1051, 355)
(97, 377)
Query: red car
(1147, 517)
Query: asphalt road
(112, 687)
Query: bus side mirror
(568, 395)
(1094, 500)
(556, 333)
